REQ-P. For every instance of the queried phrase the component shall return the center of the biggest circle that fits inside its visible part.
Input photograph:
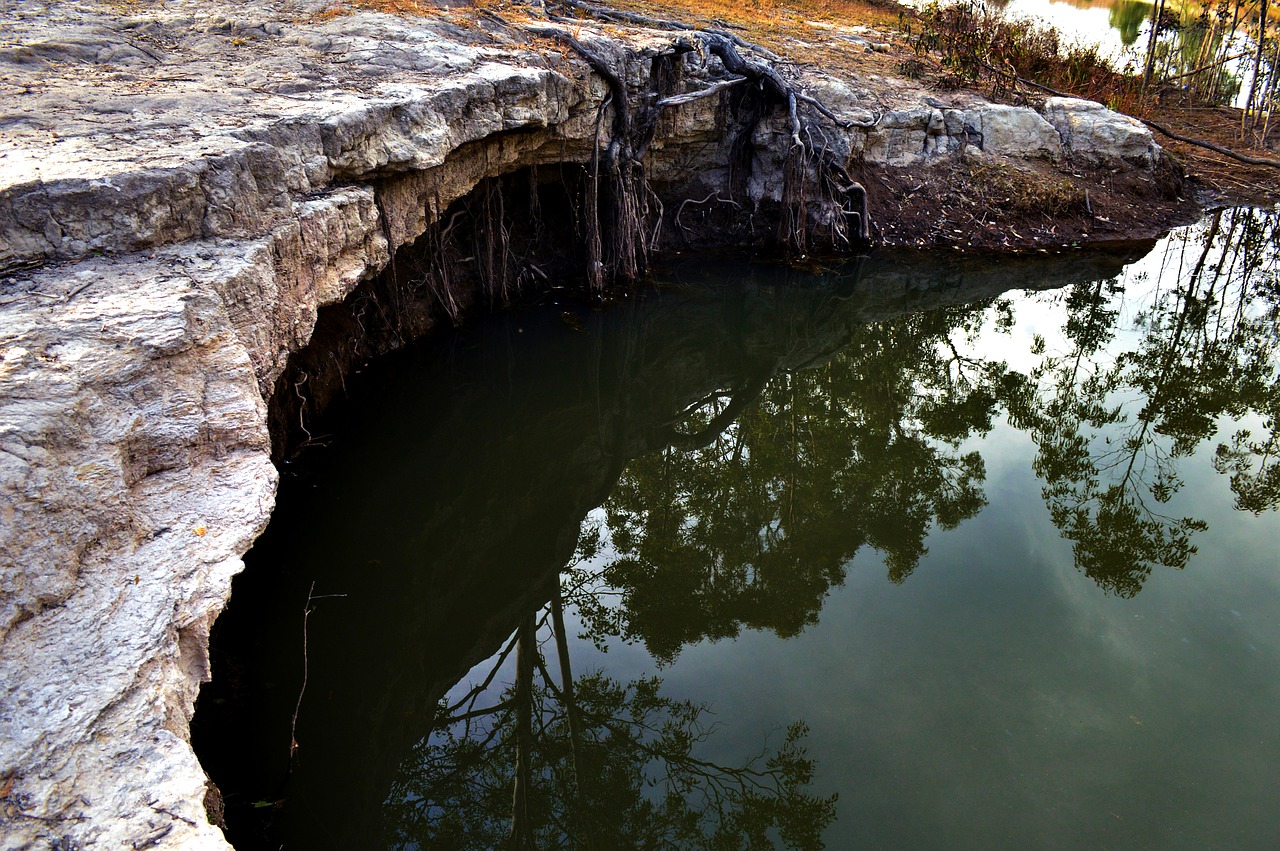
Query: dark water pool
(921, 552)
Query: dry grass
(403, 8)
(782, 25)
(335, 10)
(998, 185)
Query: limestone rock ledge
(135, 472)
(135, 462)
(165, 244)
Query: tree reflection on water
(594, 763)
(751, 524)
(1112, 429)
(742, 445)
(764, 494)
(756, 525)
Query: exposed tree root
(709, 91)
(605, 14)
(1210, 146)
(480, 242)
(812, 172)
(817, 188)
(622, 210)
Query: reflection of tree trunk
(795, 459)
(1239, 256)
(1095, 307)
(575, 720)
(1208, 245)
(1171, 354)
(704, 438)
(521, 831)
(1227, 242)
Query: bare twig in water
(293, 726)
(302, 404)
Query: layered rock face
(1066, 130)
(181, 190)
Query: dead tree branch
(293, 724)
(1201, 143)
(709, 91)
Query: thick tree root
(622, 211)
(817, 186)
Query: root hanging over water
(440, 276)
(490, 245)
(812, 173)
(624, 216)
(498, 240)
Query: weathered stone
(912, 136)
(1012, 131)
(135, 474)
(1094, 135)
(899, 138)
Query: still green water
(923, 552)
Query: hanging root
(686, 202)
(623, 216)
(439, 276)
(815, 183)
(812, 173)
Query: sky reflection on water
(1078, 644)
(999, 695)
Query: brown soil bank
(184, 185)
